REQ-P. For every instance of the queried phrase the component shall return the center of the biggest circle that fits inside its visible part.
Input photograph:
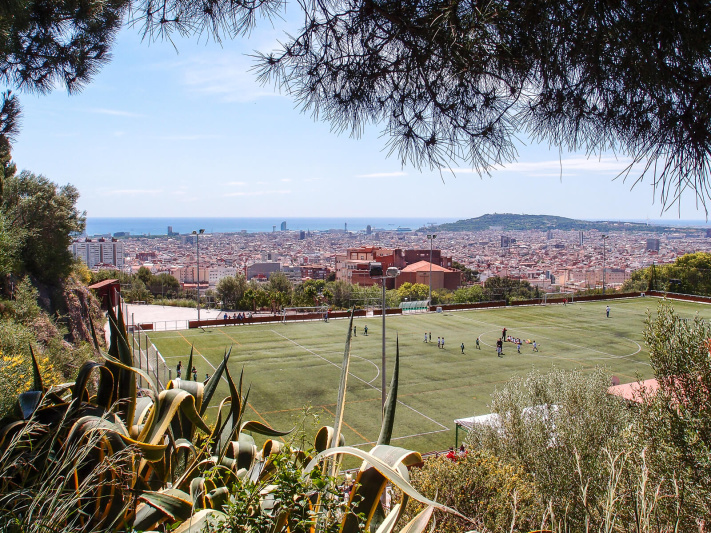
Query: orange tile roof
(422, 266)
(631, 391)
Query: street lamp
(603, 263)
(376, 272)
(431, 237)
(197, 246)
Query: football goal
(558, 297)
(304, 313)
(420, 306)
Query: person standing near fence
(179, 369)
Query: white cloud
(286, 180)
(226, 76)
(382, 175)
(258, 193)
(237, 183)
(187, 137)
(132, 192)
(114, 112)
(554, 167)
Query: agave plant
(102, 454)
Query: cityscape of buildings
(553, 260)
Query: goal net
(304, 313)
(558, 297)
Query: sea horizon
(184, 225)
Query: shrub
(498, 495)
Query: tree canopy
(450, 80)
(47, 216)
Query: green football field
(290, 366)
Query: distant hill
(511, 222)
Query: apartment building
(98, 253)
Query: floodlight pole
(391, 272)
(197, 246)
(431, 237)
(603, 263)
(382, 380)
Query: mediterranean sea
(159, 226)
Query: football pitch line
(368, 384)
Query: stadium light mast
(376, 272)
(197, 247)
(431, 237)
(604, 237)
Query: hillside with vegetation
(512, 222)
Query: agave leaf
(198, 492)
(186, 445)
(218, 497)
(231, 423)
(262, 429)
(125, 382)
(386, 430)
(340, 404)
(195, 388)
(115, 430)
(419, 523)
(214, 380)
(172, 504)
(190, 362)
(173, 401)
(36, 376)
(152, 391)
(79, 392)
(325, 437)
(27, 403)
(390, 472)
(388, 524)
(214, 438)
(198, 522)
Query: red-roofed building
(442, 278)
(108, 291)
(632, 391)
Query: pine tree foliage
(456, 80)
(451, 81)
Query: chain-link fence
(147, 358)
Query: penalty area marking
(444, 428)
(524, 328)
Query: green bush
(498, 495)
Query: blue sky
(160, 133)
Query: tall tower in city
(283, 226)
(368, 230)
(582, 238)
